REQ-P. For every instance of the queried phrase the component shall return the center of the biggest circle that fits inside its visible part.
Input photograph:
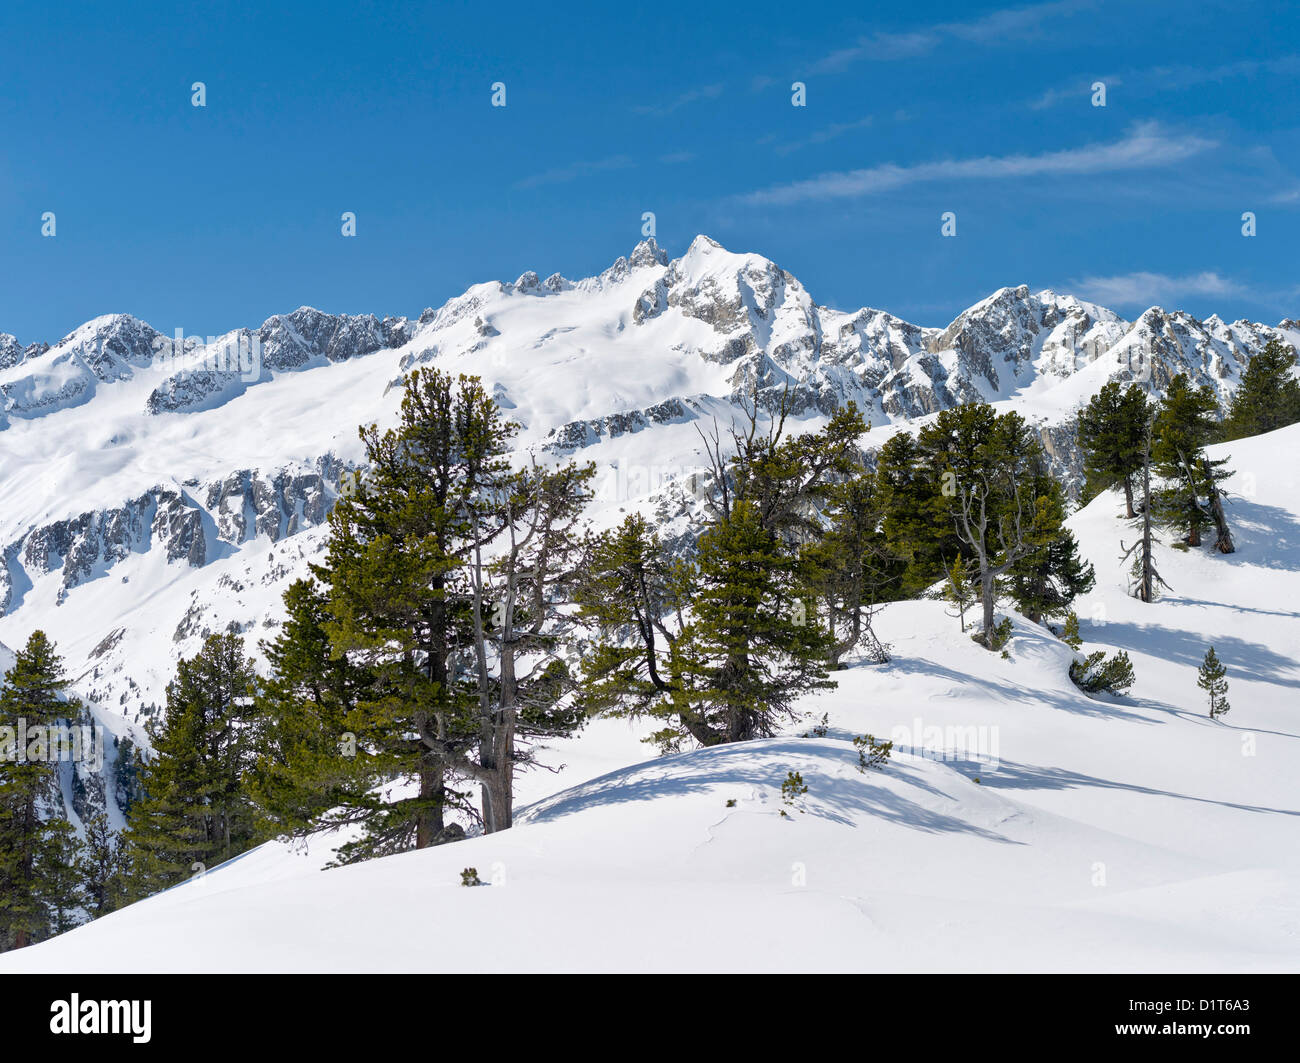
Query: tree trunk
(987, 584)
(1128, 498)
(1223, 533)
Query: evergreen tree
(917, 523)
(38, 892)
(444, 587)
(1268, 396)
(983, 470)
(196, 810)
(1145, 577)
(851, 567)
(958, 590)
(1111, 431)
(751, 645)
(1045, 582)
(1212, 678)
(312, 770)
(1185, 423)
(632, 598)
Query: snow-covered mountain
(154, 491)
(1021, 826)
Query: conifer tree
(1185, 423)
(1268, 396)
(444, 585)
(1111, 430)
(1212, 678)
(312, 770)
(632, 598)
(1145, 577)
(752, 644)
(1045, 582)
(38, 889)
(957, 589)
(851, 567)
(983, 466)
(196, 810)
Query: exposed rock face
(578, 434)
(244, 505)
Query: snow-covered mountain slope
(1053, 831)
(154, 491)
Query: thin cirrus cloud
(1146, 146)
(564, 174)
(1154, 289)
(822, 136)
(705, 92)
(997, 27)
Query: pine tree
(751, 645)
(632, 598)
(1145, 577)
(1111, 430)
(1045, 582)
(196, 810)
(983, 475)
(1070, 633)
(1268, 396)
(957, 589)
(445, 583)
(310, 761)
(851, 567)
(1212, 678)
(37, 848)
(1185, 423)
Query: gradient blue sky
(207, 219)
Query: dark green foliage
(793, 789)
(1268, 396)
(311, 761)
(1111, 432)
(39, 861)
(957, 589)
(872, 754)
(1097, 672)
(196, 811)
(428, 648)
(969, 486)
(1185, 423)
(1045, 582)
(469, 877)
(1070, 634)
(752, 644)
(1212, 678)
(1001, 635)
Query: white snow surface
(1115, 834)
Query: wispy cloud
(1154, 289)
(1145, 147)
(675, 157)
(563, 174)
(830, 132)
(705, 92)
(998, 27)
(1152, 80)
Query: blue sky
(210, 218)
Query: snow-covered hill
(1055, 832)
(155, 491)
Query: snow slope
(1021, 825)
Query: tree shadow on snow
(1013, 776)
(764, 765)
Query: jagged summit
(125, 478)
